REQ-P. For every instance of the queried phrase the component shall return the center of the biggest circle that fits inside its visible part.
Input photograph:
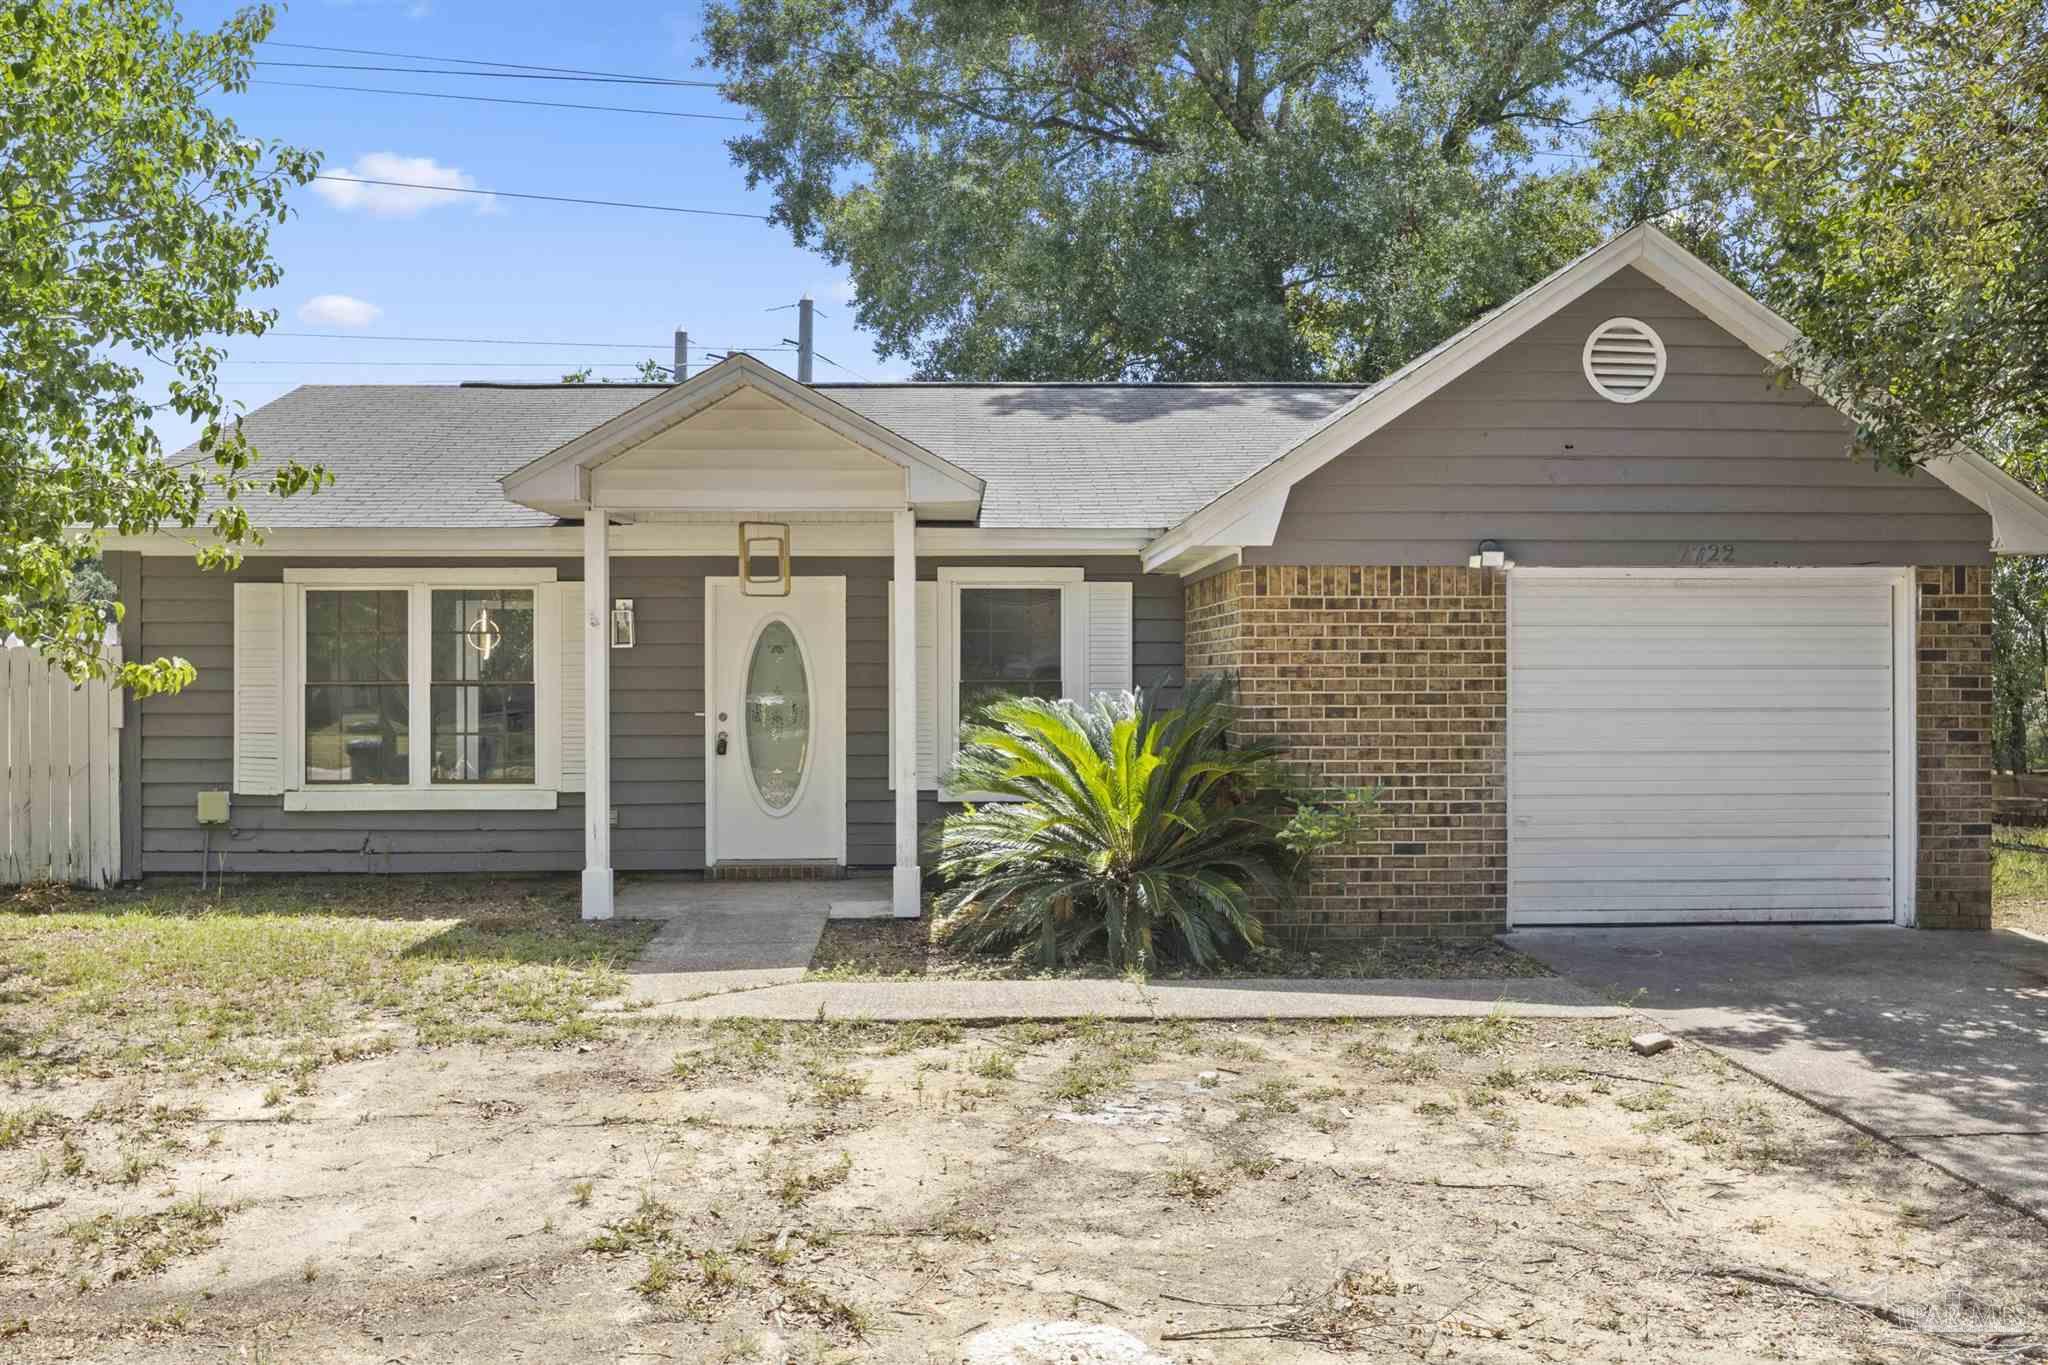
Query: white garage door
(1700, 747)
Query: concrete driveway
(1937, 1041)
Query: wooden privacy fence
(63, 772)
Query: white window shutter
(570, 663)
(927, 685)
(259, 689)
(1109, 638)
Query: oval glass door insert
(778, 707)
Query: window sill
(421, 798)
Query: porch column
(597, 716)
(909, 895)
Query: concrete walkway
(722, 936)
(1266, 998)
(740, 949)
(1936, 1041)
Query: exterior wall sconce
(769, 539)
(1489, 555)
(622, 623)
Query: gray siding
(185, 743)
(1522, 450)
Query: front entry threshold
(765, 870)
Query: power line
(494, 75)
(837, 366)
(548, 198)
(449, 364)
(502, 341)
(500, 99)
(473, 61)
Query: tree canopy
(133, 220)
(1879, 170)
(1212, 189)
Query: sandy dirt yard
(662, 1191)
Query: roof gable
(1249, 512)
(826, 451)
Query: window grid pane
(356, 689)
(1009, 645)
(482, 693)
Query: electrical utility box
(213, 808)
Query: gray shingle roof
(1065, 455)
(1086, 455)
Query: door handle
(721, 741)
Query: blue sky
(387, 263)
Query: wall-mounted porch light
(1489, 555)
(622, 623)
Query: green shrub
(1123, 829)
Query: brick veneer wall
(1954, 718)
(1399, 675)
(1389, 675)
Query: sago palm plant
(1122, 828)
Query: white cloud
(339, 310)
(391, 201)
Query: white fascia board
(943, 480)
(1052, 540)
(711, 537)
(499, 576)
(2019, 516)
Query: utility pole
(682, 365)
(804, 348)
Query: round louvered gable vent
(1624, 360)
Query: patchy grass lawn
(905, 950)
(1478, 1190)
(2019, 881)
(281, 977)
(376, 1123)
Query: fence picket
(78, 788)
(15, 675)
(105, 783)
(59, 773)
(38, 807)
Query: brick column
(1953, 697)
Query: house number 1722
(1713, 553)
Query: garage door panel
(1724, 732)
(1693, 647)
(1693, 689)
(1804, 914)
(1656, 606)
(1614, 869)
(1537, 855)
(1680, 772)
(1832, 893)
(1530, 813)
(1697, 747)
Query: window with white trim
(397, 689)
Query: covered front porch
(819, 509)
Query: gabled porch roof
(847, 460)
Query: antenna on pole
(682, 365)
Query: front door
(775, 723)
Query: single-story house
(1626, 634)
